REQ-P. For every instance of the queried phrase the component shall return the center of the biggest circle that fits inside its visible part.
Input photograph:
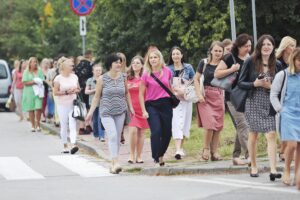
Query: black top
(229, 61)
(208, 73)
(284, 65)
(178, 72)
(84, 71)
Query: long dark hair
(240, 41)
(170, 61)
(257, 57)
(20, 65)
(130, 73)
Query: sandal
(205, 156)
(215, 157)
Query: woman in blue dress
(287, 83)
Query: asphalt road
(32, 167)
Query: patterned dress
(257, 110)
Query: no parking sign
(82, 7)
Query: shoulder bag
(174, 100)
(226, 82)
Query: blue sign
(82, 7)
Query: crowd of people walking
(257, 86)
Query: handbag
(11, 104)
(238, 98)
(79, 109)
(226, 82)
(272, 111)
(190, 93)
(173, 98)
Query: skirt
(210, 114)
(257, 110)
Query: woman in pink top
(156, 106)
(137, 123)
(66, 87)
(17, 87)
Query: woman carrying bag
(66, 88)
(210, 109)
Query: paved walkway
(173, 167)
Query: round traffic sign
(82, 7)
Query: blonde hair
(60, 64)
(147, 65)
(29, 62)
(123, 59)
(285, 42)
(295, 55)
(44, 62)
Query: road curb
(171, 171)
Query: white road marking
(243, 182)
(81, 166)
(13, 168)
(239, 185)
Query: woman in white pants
(182, 114)
(66, 87)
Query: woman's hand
(201, 99)
(88, 117)
(258, 82)
(132, 110)
(145, 115)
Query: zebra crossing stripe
(13, 168)
(81, 166)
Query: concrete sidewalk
(173, 167)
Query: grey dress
(257, 110)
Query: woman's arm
(89, 91)
(142, 91)
(128, 98)
(222, 69)
(275, 91)
(198, 89)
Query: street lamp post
(254, 22)
(232, 20)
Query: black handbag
(173, 98)
(238, 98)
(272, 111)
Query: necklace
(265, 65)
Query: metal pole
(232, 20)
(254, 22)
(83, 45)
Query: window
(3, 72)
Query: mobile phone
(261, 76)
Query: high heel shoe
(274, 176)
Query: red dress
(137, 119)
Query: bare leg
(289, 153)
(252, 140)
(282, 150)
(31, 118)
(178, 144)
(208, 134)
(140, 145)
(214, 146)
(133, 142)
(297, 166)
(272, 146)
(38, 114)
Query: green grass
(194, 145)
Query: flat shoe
(74, 150)
(254, 175)
(139, 162)
(130, 161)
(32, 129)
